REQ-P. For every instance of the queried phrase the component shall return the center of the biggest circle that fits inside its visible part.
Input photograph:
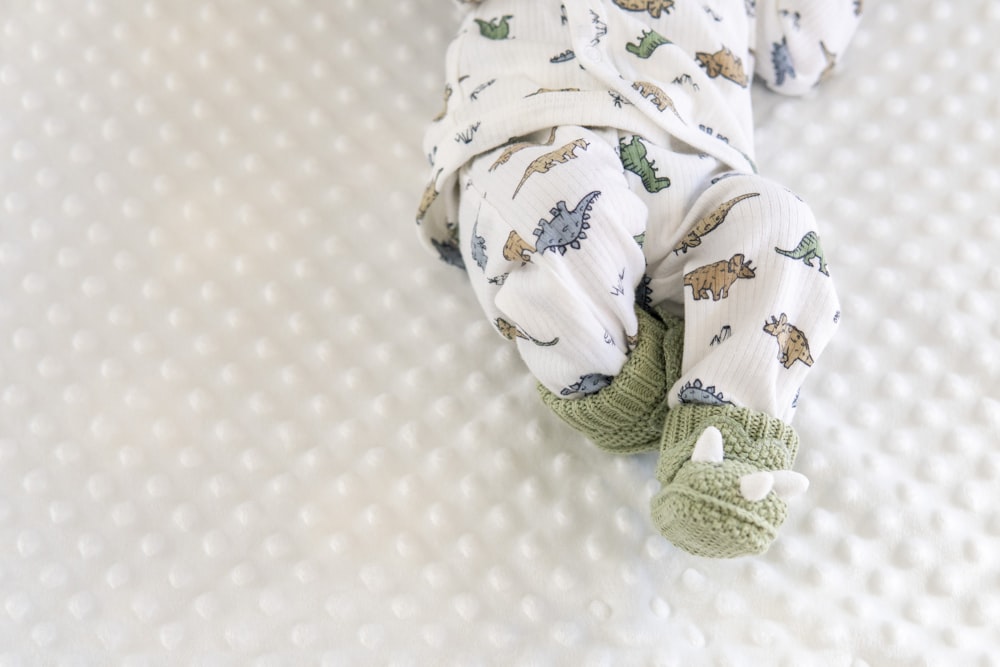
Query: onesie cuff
(628, 415)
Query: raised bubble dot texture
(246, 419)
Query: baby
(593, 172)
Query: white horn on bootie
(786, 484)
(708, 449)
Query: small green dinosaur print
(633, 157)
(654, 7)
(496, 28)
(649, 41)
(807, 250)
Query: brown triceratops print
(714, 280)
(654, 7)
(792, 343)
(543, 163)
(724, 63)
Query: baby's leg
(759, 308)
(550, 234)
(548, 237)
(759, 302)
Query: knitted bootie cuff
(627, 416)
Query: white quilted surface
(246, 420)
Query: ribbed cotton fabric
(519, 66)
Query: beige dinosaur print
(508, 152)
(724, 63)
(544, 163)
(447, 96)
(508, 330)
(792, 343)
(654, 7)
(430, 194)
(511, 332)
(831, 62)
(542, 91)
(714, 280)
(517, 249)
(656, 95)
(709, 222)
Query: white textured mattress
(246, 420)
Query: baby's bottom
(564, 235)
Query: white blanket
(242, 412)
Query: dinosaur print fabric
(560, 267)
(670, 71)
(596, 155)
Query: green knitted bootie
(627, 416)
(726, 475)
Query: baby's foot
(627, 416)
(725, 475)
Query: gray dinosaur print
(449, 252)
(644, 293)
(696, 392)
(588, 384)
(807, 250)
(781, 58)
(567, 227)
(478, 249)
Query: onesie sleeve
(799, 42)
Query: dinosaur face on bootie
(725, 475)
